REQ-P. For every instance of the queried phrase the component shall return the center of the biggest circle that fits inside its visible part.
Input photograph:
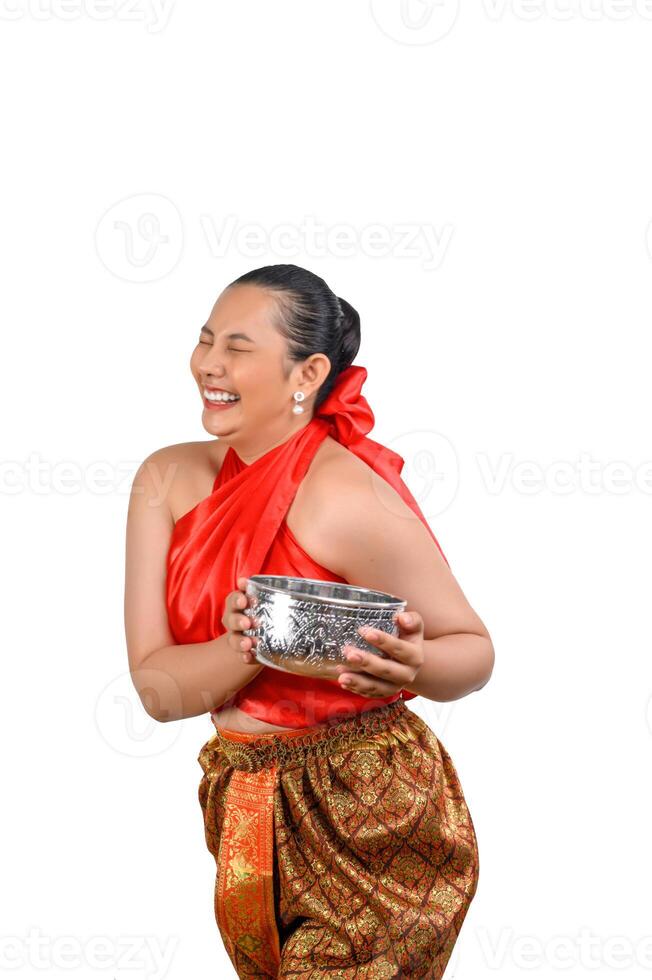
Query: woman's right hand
(235, 622)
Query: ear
(312, 373)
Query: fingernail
(370, 634)
(344, 679)
(407, 619)
(352, 655)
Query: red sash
(240, 529)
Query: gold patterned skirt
(342, 850)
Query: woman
(343, 842)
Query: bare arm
(377, 541)
(173, 681)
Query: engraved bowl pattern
(301, 624)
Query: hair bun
(350, 333)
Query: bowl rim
(392, 602)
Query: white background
(475, 180)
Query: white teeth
(220, 396)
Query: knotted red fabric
(240, 529)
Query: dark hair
(311, 318)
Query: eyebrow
(229, 336)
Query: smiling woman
(291, 484)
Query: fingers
(409, 621)
(352, 677)
(402, 647)
(235, 621)
(374, 676)
(233, 617)
(381, 669)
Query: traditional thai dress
(344, 846)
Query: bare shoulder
(339, 482)
(358, 526)
(332, 466)
(339, 497)
(181, 475)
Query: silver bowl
(301, 624)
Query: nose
(210, 366)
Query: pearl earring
(298, 397)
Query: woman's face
(241, 352)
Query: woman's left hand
(379, 677)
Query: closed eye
(237, 350)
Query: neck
(252, 449)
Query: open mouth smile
(218, 399)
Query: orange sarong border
(244, 899)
